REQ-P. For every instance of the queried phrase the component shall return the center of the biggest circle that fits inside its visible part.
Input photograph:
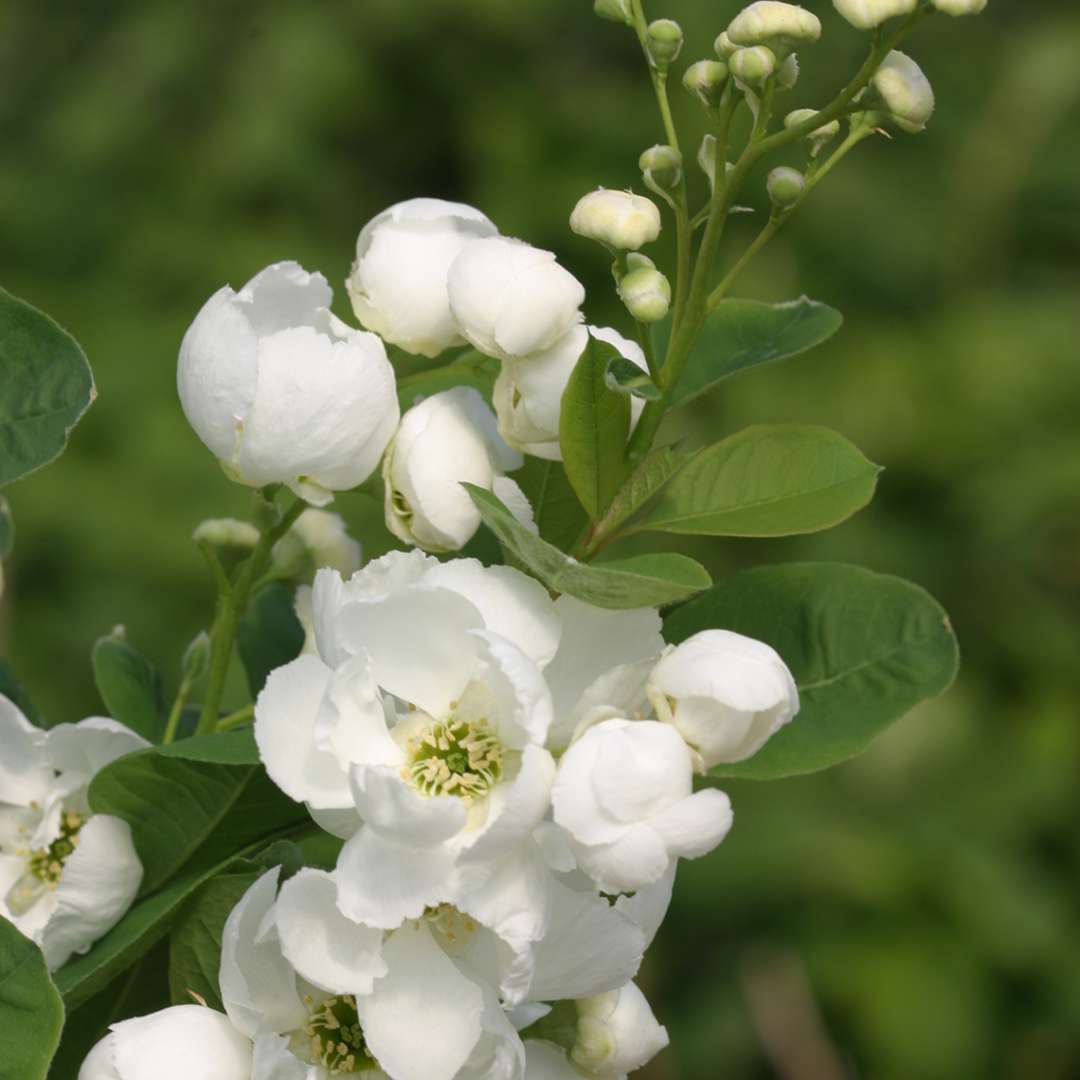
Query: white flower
(448, 439)
(726, 694)
(619, 219)
(422, 717)
(866, 14)
(777, 25)
(398, 282)
(510, 299)
(185, 1042)
(528, 392)
(905, 91)
(960, 7)
(624, 793)
(282, 391)
(66, 876)
(617, 1033)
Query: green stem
(231, 605)
(644, 333)
(177, 710)
(235, 719)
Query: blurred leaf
(45, 387)
(31, 1013)
(741, 334)
(642, 581)
(7, 530)
(129, 684)
(864, 648)
(13, 690)
(776, 480)
(269, 634)
(594, 424)
(559, 515)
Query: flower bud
(707, 79)
(398, 283)
(867, 14)
(226, 533)
(616, 1033)
(196, 657)
(960, 7)
(619, 219)
(615, 10)
(706, 158)
(817, 138)
(782, 27)
(752, 66)
(661, 167)
(327, 542)
(905, 92)
(448, 439)
(646, 294)
(726, 695)
(785, 187)
(665, 41)
(724, 46)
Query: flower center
(335, 1039)
(45, 866)
(454, 757)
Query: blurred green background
(913, 914)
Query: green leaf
(7, 533)
(594, 424)
(770, 480)
(179, 808)
(864, 648)
(13, 690)
(741, 334)
(559, 516)
(644, 482)
(45, 387)
(31, 1013)
(269, 634)
(642, 581)
(625, 377)
(129, 685)
(235, 747)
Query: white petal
(574, 804)
(258, 987)
(99, 882)
(638, 858)
(694, 826)
(180, 1043)
(85, 748)
(646, 768)
(617, 1033)
(25, 776)
(647, 907)
(398, 812)
(424, 992)
(546, 1061)
(100, 1063)
(508, 692)
(352, 720)
(340, 823)
(286, 712)
(273, 1060)
(332, 952)
(33, 919)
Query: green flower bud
(615, 10)
(665, 41)
(227, 533)
(662, 167)
(903, 92)
(782, 27)
(707, 79)
(752, 66)
(817, 138)
(786, 187)
(960, 7)
(646, 294)
(724, 46)
(636, 260)
(196, 658)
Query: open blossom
(66, 875)
(448, 439)
(624, 793)
(510, 299)
(282, 391)
(528, 392)
(398, 282)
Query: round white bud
(753, 65)
(646, 294)
(665, 42)
(661, 165)
(616, 1033)
(960, 7)
(619, 219)
(904, 91)
(706, 79)
(817, 138)
(785, 186)
(867, 14)
(782, 27)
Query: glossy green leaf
(644, 483)
(559, 515)
(222, 748)
(864, 648)
(269, 634)
(642, 581)
(129, 685)
(770, 480)
(594, 424)
(625, 377)
(31, 1013)
(741, 334)
(45, 387)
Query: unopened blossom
(616, 1033)
(786, 186)
(726, 694)
(751, 66)
(510, 299)
(646, 293)
(819, 137)
(905, 92)
(780, 26)
(867, 14)
(398, 282)
(620, 219)
(449, 439)
(960, 7)
(67, 876)
(528, 392)
(282, 391)
(624, 793)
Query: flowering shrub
(440, 839)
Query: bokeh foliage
(913, 913)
